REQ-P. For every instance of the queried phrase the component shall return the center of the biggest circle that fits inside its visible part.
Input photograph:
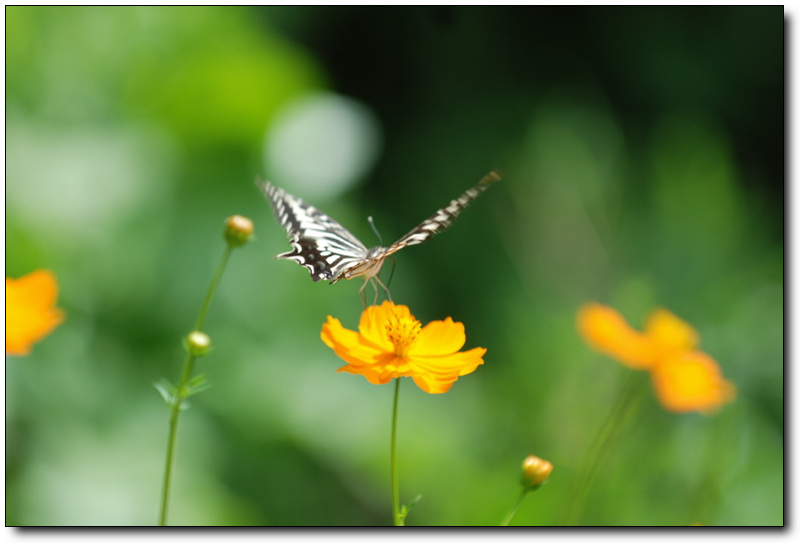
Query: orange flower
(30, 311)
(691, 382)
(684, 379)
(391, 343)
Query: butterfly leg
(375, 286)
(362, 294)
(377, 281)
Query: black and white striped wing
(318, 242)
(442, 219)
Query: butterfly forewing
(442, 219)
(318, 242)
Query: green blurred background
(644, 152)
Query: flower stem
(399, 518)
(183, 390)
(602, 443)
(220, 268)
(513, 511)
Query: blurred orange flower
(30, 310)
(684, 378)
(391, 343)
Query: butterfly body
(331, 252)
(369, 267)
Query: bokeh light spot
(321, 144)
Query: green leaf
(167, 391)
(197, 384)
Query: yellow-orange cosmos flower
(391, 343)
(30, 310)
(684, 378)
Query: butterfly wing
(442, 219)
(318, 242)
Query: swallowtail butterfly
(331, 252)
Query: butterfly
(331, 252)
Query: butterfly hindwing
(318, 242)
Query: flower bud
(197, 343)
(238, 230)
(535, 471)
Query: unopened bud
(535, 471)
(197, 343)
(238, 230)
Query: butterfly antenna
(375, 229)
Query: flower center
(402, 332)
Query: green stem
(220, 268)
(173, 425)
(513, 511)
(399, 518)
(182, 391)
(602, 443)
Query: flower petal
(454, 364)
(350, 346)
(670, 333)
(374, 321)
(436, 374)
(691, 382)
(605, 330)
(373, 376)
(432, 386)
(439, 338)
(436, 380)
(30, 311)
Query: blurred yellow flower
(30, 310)
(391, 343)
(684, 378)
